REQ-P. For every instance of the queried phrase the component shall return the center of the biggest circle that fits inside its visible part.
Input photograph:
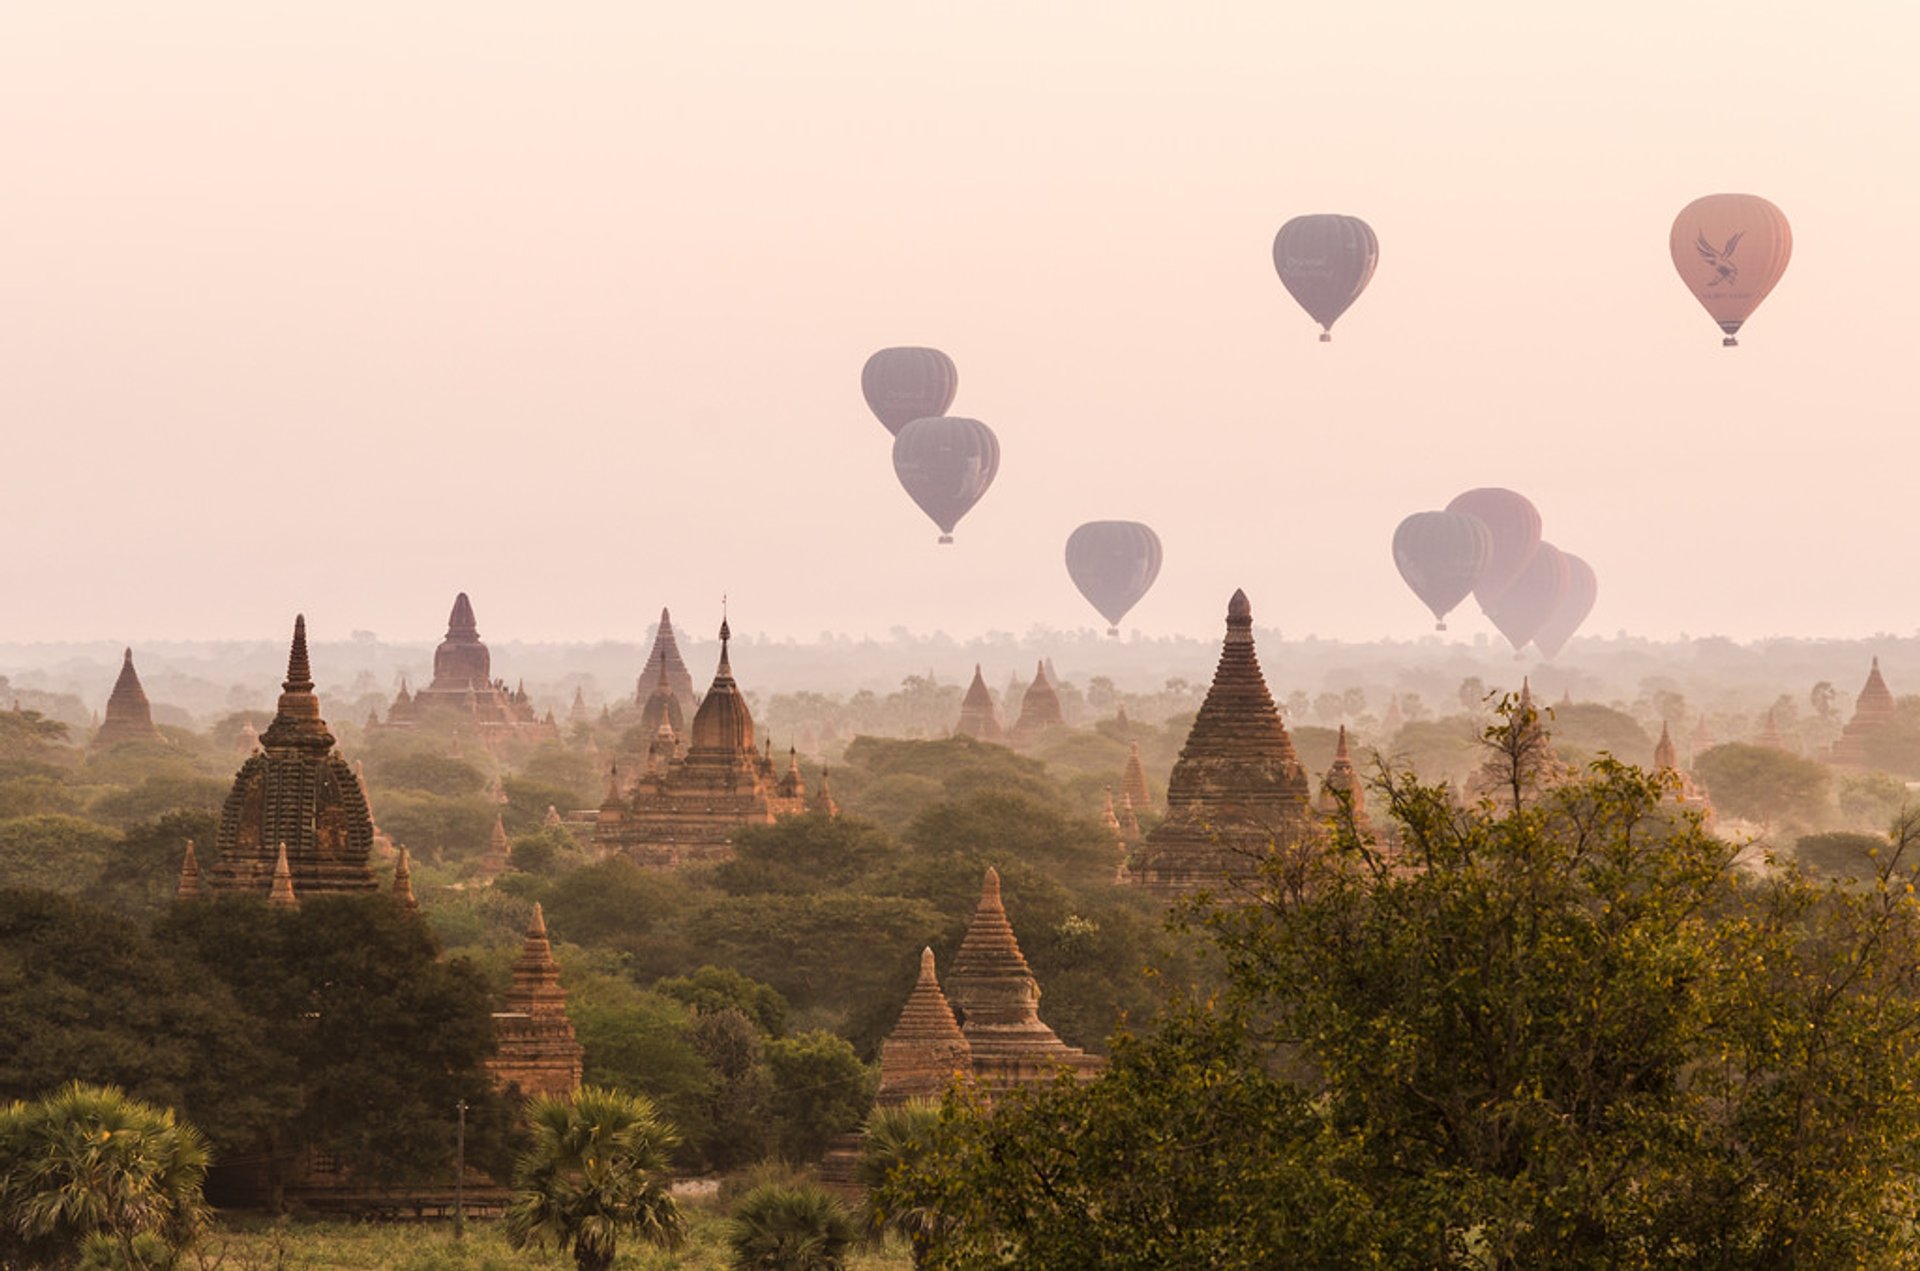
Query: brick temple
(129, 716)
(537, 1053)
(463, 695)
(1873, 715)
(979, 717)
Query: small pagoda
(1342, 786)
(1238, 791)
(1874, 714)
(537, 1052)
(129, 716)
(979, 717)
(1040, 710)
(295, 806)
(1133, 780)
(926, 1051)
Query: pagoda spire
(403, 882)
(297, 725)
(824, 804)
(129, 716)
(1133, 780)
(499, 850)
(926, 1050)
(978, 718)
(282, 897)
(189, 886)
(1666, 756)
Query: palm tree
(595, 1171)
(896, 1138)
(88, 1165)
(790, 1228)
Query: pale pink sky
(346, 307)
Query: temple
(1238, 791)
(1684, 790)
(1342, 785)
(1873, 716)
(998, 1002)
(295, 804)
(1133, 781)
(665, 667)
(537, 1053)
(463, 695)
(1039, 710)
(1769, 734)
(129, 716)
(979, 717)
(926, 1050)
(684, 806)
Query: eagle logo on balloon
(1720, 259)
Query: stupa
(129, 716)
(1769, 735)
(464, 696)
(1238, 790)
(979, 717)
(998, 1001)
(1343, 783)
(1133, 780)
(1874, 714)
(1039, 710)
(1666, 762)
(537, 1052)
(297, 799)
(926, 1050)
(665, 666)
(685, 807)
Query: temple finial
(299, 669)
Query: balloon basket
(1439, 626)
(1729, 343)
(1113, 631)
(946, 538)
(1326, 337)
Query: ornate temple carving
(926, 1050)
(1873, 714)
(129, 716)
(537, 1053)
(1238, 790)
(998, 1001)
(295, 799)
(464, 696)
(979, 717)
(685, 806)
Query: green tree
(142, 870)
(897, 1140)
(87, 1165)
(1568, 1032)
(713, 988)
(59, 853)
(1758, 783)
(799, 1227)
(817, 1089)
(594, 1172)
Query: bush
(790, 1228)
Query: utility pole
(460, 1173)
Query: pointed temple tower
(1395, 719)
(499, 850)
(999, 1004)
(189, 887)
(1238, 790)
(464, 695)
(665, 666)
(685, 808)
(1341, 779)
(1666, 762)
(1133, 781)
(926, 1050)
(1769, 735)
(1039, 710)
(297, 796)
(537, 1052)
(1873, 715)
(129, 717)
(979, 718)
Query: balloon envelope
(905, 384)
(1113, 563)
(1582, 590)
(946, 463)
(1524, 607)
(1515, 525)
(1325, 261)
(1441, 556)
(1730, 250)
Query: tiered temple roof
(1039, 709)
(979, 718)
(686, 807)
(998, 1000)
(464, 695)
(129, 716)
(1873, 713)
(297, 799)
(926, 1050)
(665, 666)
(537, 1053)
(1238, 790)
(1133, 780)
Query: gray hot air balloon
(1325, 260)
(1515, 524)
(946, 463)
(1441, 555)
(1524, 607)
(1113, 563)
(905, 384)
(1582, 590)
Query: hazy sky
(344, 307)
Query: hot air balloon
(1730, 250)
(1515, 524)
(905, 384)
(1582, 590)
(1113, 563)
(1325, 261)
(946, 463)
(1524, 607)
(1441, 555)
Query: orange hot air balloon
(1730, 250)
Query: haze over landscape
(568, 310)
